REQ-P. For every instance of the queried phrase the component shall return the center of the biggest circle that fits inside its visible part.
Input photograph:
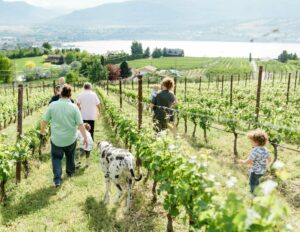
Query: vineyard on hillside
(231, 107)
(192, 176)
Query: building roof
(148, 69)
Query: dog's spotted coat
(117, 163)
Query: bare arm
(269, 159)
(43, 127)
(247, 161)
(83, 132)
(78, 104)
(174, 103)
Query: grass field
(178, 63)
(20, 63)
(36, 205)
(219, 149)
(278, 67)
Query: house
(8, 43)
(147, 69)
(54, 59)
(173, 52)
(169, 72)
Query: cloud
(67, 4)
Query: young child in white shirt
(82, 148)
(155, 90)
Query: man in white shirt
(88, 102)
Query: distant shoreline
(194, 48)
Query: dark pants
(254, 181)
(82, 152)
(92, 124)
(57, 154)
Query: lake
(196, 48)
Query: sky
(66, 4)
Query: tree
(147, 53)
(70, 57)
(63, 70)
(95, 70)
(295, 57)
(113, 72)
(165, 52)
(102, 60)
(30, 64)
(125, 70)
(6, 70)
(285, 56)
(137, 50)
(47, 46)
(157, 53)
(75, 66)
(71, 77)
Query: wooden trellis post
(200, 82)
(222, 92)
(175, 84)
(107, 86)
(132, 84)
(231, 89)
(185, 87)
(296, 77)
(19, 129)
(53, 84)
(140, 114)
(258, 94)
(120, 90)
(288, 89)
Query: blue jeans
(254, 181)
(57, 154)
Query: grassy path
(35, 205)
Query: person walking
(83, 150)
(88, 102)
(65, 119)
(162, 104)
(57, 94)
(62, 82)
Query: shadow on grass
(197, 143)
(140, 218)
(99, 217)
(30, 203)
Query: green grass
(278, 67)
(220, 151)
(193, 67)
(36, 205)
(20, 63)
(179, 63)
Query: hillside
(21, 13)
(176, 12)
(214, 20)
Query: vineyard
(191, 179)
(231, 107)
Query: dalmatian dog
(117, 164)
